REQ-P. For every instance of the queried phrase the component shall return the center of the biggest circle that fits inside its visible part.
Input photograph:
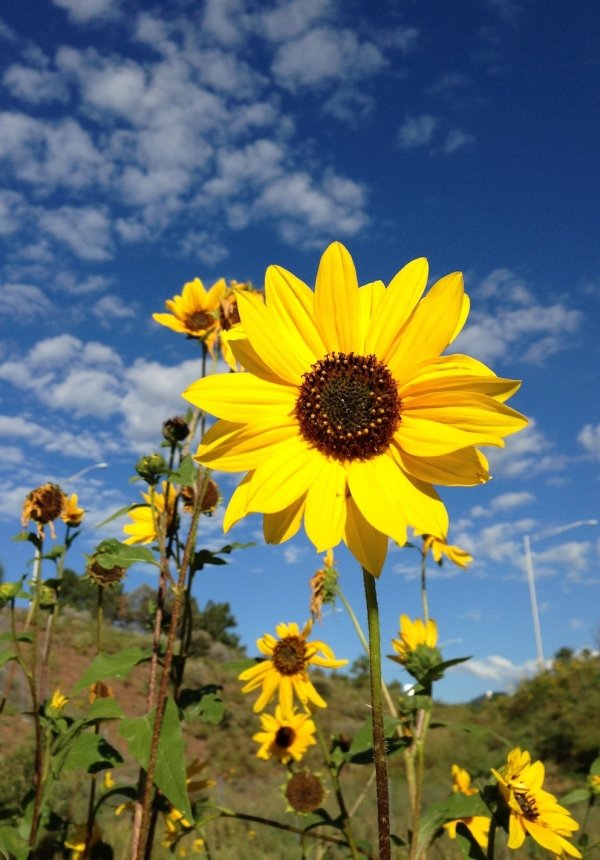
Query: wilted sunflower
(286, 667)
(348, 412)
(43, 505)
(286, 736)
(532, 810)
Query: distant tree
(81, 593)
(359, 670)
(564, 655)
(217, 620)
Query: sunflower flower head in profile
(348, 413)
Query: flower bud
(175, 430)
(151, 468)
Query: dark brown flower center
(199, 321)
(289, 655)
(348, 406)
(285, 737)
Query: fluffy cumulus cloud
(589, 437)
(181, 124)
(429, 132)
(498, 671)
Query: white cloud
(84, 11)
(23, 302)
(289, 20)
(34, 85)
(498, 670)
(527, 453)
(503, 502)
(325, 55)
(112, 307)
(54, 439)
(83, 229)
(589, 437)
(456, 139)
(417, 131)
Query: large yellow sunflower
(286, 668)
(348, 412)
(532, 810)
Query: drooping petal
(241, 397)
(365, 543)
(282, 525)
(429, 329)
(337, 310)
(375, 487)
(283, 477)
(325, 516)
(396, 306)
(293, 301)
(236, 509)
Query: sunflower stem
(424, 601)
(379, 755)
(491, 840)
(337, 788)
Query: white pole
(534, 606)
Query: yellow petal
(236, 509)
(366, 544)
(429, 329)
(276, 348)
(247, 356)
(233, 447)
(464, 313)
(369, 297)
(396, 306)
(475, 413)
(293, 301)
(325, 516)
(467, 467)
(337, 310)
(282, 525)
(375, 486)
(241, 397)
(284, 477)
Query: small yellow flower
(285, 736)
(58, 701)
(72, 514)
(146, 518)
(108, 782)
(413, 634)
(195, 312)
(478, 825)
(532, 810)
(594, 783)
(439, 547)
(285, 669)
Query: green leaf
(54, 553)
(12, 845)
(576, 795)
(6, 657)
(204, 702)
(169, 774)
(186, 473)
(89, 752)
(104, 709)
(595, 767)
(111, 666)
(25, 636)
(120, 512)
(113, 553)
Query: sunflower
(72, 514)
(285, 668)
(146, 518)
(532, 810)
(195, 312)
(412, 635)
(478, 825)
(438, 546)
(348, 412)
(286, 736)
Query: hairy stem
(379, 754)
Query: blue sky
(142, 145)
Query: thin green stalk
(424, 601)
(91, 812)
(363, 640)
(379, 754)
(337, 789)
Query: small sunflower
(438, 546)
(412, 635)
(286, 667)
(348, 412)
(532, 810)
(72, 514)
(146, 518)
(195, 312)
(286, 736)
(478, 825)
